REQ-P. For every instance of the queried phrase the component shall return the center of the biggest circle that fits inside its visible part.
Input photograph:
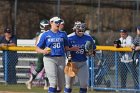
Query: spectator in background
(9, 58)
(126, 63)
(44, 26)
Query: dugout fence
(104, 68)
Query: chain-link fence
(14, 66)
(106, 72)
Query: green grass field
(21, 88)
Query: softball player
(44, 26)
(54, 60)
(78, 38)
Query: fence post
(92, 73)
(90, 63)
(10, 60)
(5, 65)
(116, 69)
(89, 71)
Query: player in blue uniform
(79, 39)
(54, 60)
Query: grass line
(21, 88)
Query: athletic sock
(34, 76)
(46, 81)
(58, 91)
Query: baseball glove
(71, 69)
(89, 48)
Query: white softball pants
(82, 76)
(54, 68)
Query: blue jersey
(56, 41)
(74, 40)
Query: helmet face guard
(81, 27)
(76, 25)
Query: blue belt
(53, 55)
